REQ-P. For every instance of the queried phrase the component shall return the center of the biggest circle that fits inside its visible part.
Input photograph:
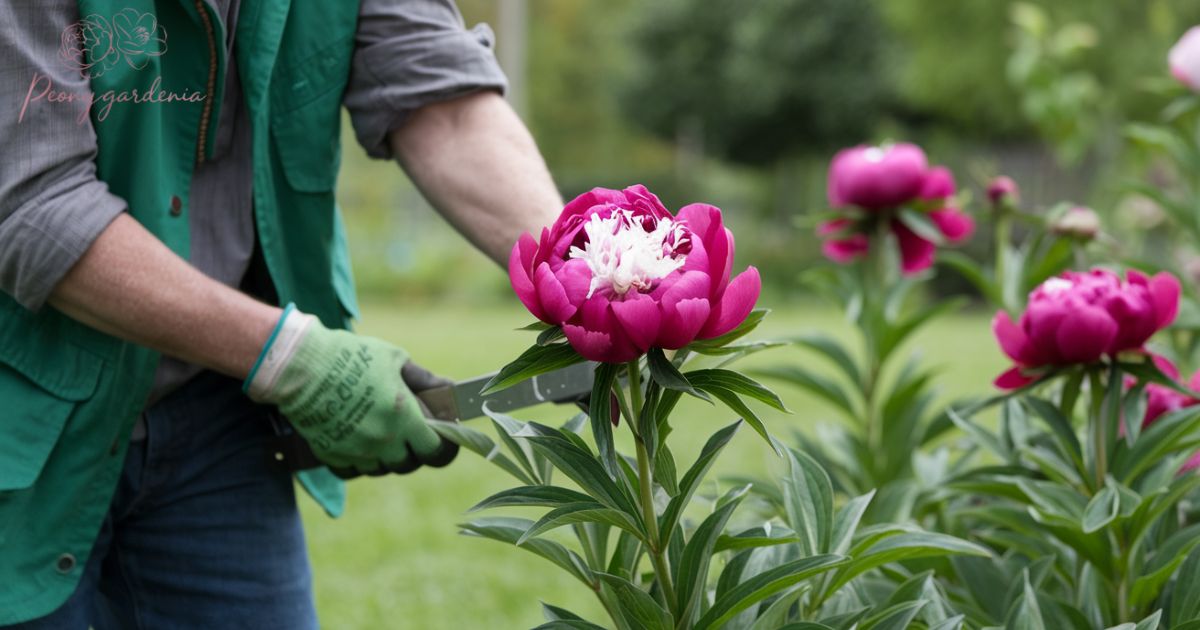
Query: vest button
(176, 206)
(65, 563)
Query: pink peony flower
(1184, 59)
(875, 178)
(1161, 400)
(1083, 317)
(844, 240)
(1003, 190)
(621, 275)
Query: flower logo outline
(94, 45)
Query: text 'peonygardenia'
(874, 186)
(621, 275)
(1081, 317)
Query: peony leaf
(525, 496)
(831, 349)
(550, 335)
(814, 383)
(692, 479)
(534, 361)
(582, 512)
(755, 589)
(580, 465)
(739, 384)
(600, 415)
(1026, 615)
(1185, 603)
(482, 445)
(808, 501)
(703, 346)
(1101, 510)
(641, 609)
(896, 617)
(668, 376)
(692, 575)
(509, 530)
(921, 225)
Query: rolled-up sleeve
(410, 53)
(52, 206)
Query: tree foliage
(760, 78)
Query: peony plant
(620, 280)
(892, 210)
(1088, 506)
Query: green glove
(346, 396)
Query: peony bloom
(875, 178)
(1161, 400)
(1003, 190)
(1184, 59)
(621, 275)
(934, 188)
(1081, 317)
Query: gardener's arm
(476, 163)
(426, 91)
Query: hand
(351, 397)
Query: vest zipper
(210, 86)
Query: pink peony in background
(1080, 317)
(621, 275)
(1184, 59)
(879, 181)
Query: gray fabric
(52, 207)
(409, 53)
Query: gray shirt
(408, 53)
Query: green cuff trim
(270, 340)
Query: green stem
(1096, 422)
(658, 555)
(1002, 227)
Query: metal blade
(462, 401)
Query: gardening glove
(349, 397)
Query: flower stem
(1096, 420)
(658, 555)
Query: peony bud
(1003, 190)
(1079, 222)
(1184, 59)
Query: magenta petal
(916, 253)
(591, 345)
(1191, 464)
(955, 225)
(682, 322)
(576, 280)
(675, 287)
(938, 184)
(519, 264)
(1012, 379)
(1164, 290)
(1085, 335)
(846, 249)
(640, 318)
(1012, 339)
(739, 299)
(552, 295)
(706, 224)
(1165, 365)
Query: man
(169, 240)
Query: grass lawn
(395, 559)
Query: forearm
(128, 284)
(477, 164)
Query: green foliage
(760, 79)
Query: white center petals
(623, 254)
(1056, 285)
(874, 154)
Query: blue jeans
(203, 530)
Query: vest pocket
(308, 141)
(31, 420)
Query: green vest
(69, 395)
